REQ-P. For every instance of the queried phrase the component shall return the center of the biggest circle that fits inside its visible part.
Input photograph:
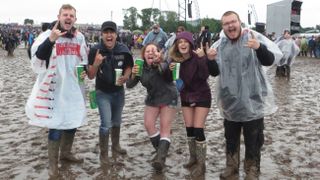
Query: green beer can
(93, 99)
(80, 69)
(139, 62)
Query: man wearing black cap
(104, 59)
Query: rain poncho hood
(289, 49)
(57, 99)
(243, 91)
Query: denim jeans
(55, 134)
(110, 109)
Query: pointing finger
(97, 53)
(55, 25)
(207, 45)
(252, 35)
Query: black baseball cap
(109, 25)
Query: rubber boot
(53, 154)
(65, 150)
(115, 136)
(192, 150)
(231, 172)
(201, 153)
(159, 162)
(103, 143)
(155, 141)
(252, 169)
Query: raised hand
(156, 56)
(200, 51)
(252, 42)
(98, 59)
(211, 52)
(56, 33)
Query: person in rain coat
(57, 100)
(244, 95)
(290, 50)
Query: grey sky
(97, 11)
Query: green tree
(149, 16)
(169, 21)
(28, 21)
(130, 18)
(214, 25)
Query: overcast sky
(97, 11)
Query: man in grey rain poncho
(244, 95)
(290, 50)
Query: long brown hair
(174, 53)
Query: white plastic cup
(118, 75)
(176, 72)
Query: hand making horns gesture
(98, 59)
(56, 33)
(200, 51)
(211, 52)
(252, 42)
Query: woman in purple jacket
(195, 96)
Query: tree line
(168, 20)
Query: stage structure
(284, 15)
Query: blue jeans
(110, 109)
(55, 134)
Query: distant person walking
(290, 50)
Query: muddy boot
(201, 153)
(231, 172)
(159, 162)
(65, 150)
(115, 136)
(155, 141)
(252, 169)
(103, 143)
(192, 151)
(53, 154)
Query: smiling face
(67, 17)
(109, 38)
(149, 53)
(231, 26)
(183, 47)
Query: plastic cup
(80, 69)
(93, 99)
(118, 75)
(176, 71)
(139, 62)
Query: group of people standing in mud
(8, 40)
(243, 94)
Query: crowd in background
(13, 35)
